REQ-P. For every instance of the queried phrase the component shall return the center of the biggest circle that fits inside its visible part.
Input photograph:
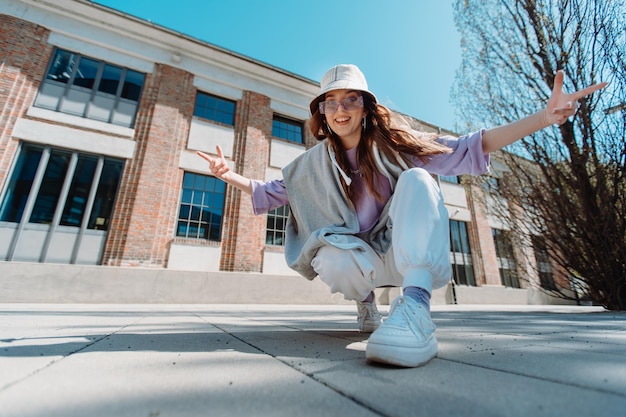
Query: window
(461, 255)
(90, 88)
(287, 129)
(61, 203)
(452, 179)
(276, 223)
(506, 259)
(215, 108)
(58, 167)
(201, 207)
(544, 267)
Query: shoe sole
(408, 357)
(369, 328)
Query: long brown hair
(391, 141)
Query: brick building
(101, 116)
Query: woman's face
(345, 122)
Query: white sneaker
(406, 337)
(368, 317)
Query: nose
(341, 105)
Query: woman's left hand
(562, 105)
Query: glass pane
(110, 79)
(79, 192)
(203, 231)
(186, 196)
(192, 230)
(20, 184)
(220, 187)
(454, 236)
(62, 66)
(86, 73)
(50, 190)
(469, 273)
(197, 197)
(133, 83)
(463, 238)
(183, 214)
(103, 206)
(181, 230)
(195, 213)
(209, 184)
(199, 182)
(206, 215)
(188, 180)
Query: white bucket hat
(340, 77)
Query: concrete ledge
(55, 283)
(22, 282)
(490, 294)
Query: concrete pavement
(304, 360)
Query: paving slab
(294, 360)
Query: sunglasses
(348, 103)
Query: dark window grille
(276, 223)
(201, 207)
(90, 88)
(287, 129)
(215, 108)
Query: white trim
(71, 138)
(77, 121)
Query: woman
(365, 211)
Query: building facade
(102, 114)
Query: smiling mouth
(342, 120)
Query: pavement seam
(55, 361)
(554, 381)
(299, 370)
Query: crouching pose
(365, 211)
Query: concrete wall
(22, 282)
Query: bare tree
(568, 180)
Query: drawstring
(377, 159)
(345, 176)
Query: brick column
(145, 213)
(24, 54)
(482, 239)
(243, 235)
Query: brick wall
(243, 235)
(147, 205)
(483, 247)
(24, 54)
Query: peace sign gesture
(562, 105)
(219, 167)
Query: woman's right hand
(219, 167)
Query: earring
(364, 123)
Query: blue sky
(408, 49)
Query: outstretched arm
(219, 167)
(560, 106)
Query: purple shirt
(467, 158)
(368, 208)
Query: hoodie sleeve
(467, 157)
(268, 195)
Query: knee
(417, 175)
(418, 180)
(339, 269)
(327, 261)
